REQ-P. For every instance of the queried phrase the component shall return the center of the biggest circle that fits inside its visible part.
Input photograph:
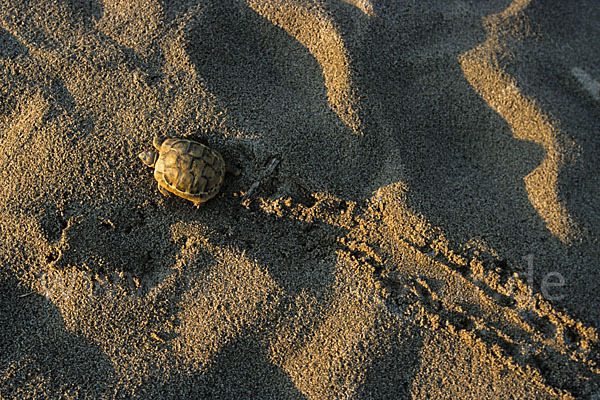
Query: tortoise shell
(187, 169)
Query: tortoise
(186, 168)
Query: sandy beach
(424, 218)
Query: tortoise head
(149, 157)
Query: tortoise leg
(164, 191)
(232, 169)
(157, 142)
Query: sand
(430, 231)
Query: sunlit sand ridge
(312, 26)
(483, 69)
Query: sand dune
(431, 230)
